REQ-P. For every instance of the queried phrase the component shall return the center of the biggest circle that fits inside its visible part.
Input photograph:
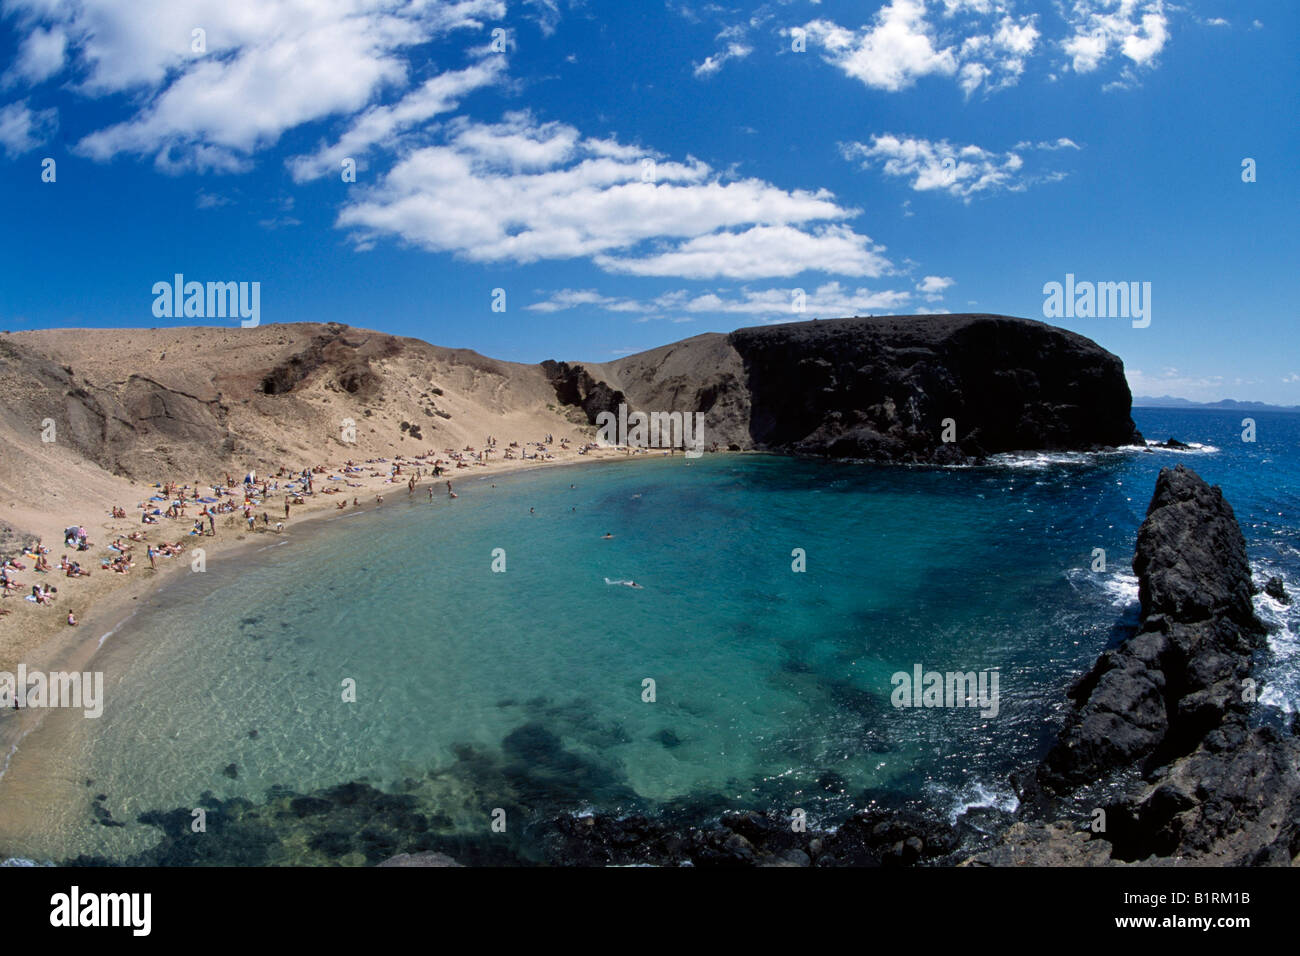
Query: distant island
(1227, 404)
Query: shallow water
(523, 690)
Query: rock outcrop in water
(883, 388)
(1180, 677)
(1165, 718)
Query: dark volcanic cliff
(881, 388)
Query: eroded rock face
(574, 385)
(1172, 704)
(343, 351)
(883, 388)
(108, 421)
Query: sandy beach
(39, 635)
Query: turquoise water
(523, 690)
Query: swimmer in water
(606, 536)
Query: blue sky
(635, 173)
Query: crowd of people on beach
(42, 594)
(248, 498)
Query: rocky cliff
(883, 388)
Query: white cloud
(986, 44)
(40, 56)
(23, 129)
(523, 191)
(565, 299)
(268, 66)
(546, 13)
(759, 252)
(1051, 145)
(712, 64)
(932, 287)
(1104, 29)
(980, 43)
(381, 125)
(961, 171)
(831, 299)
(735, 44)
(892, 53)
(207, 200)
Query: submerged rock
(1276, 589)
(873, 837)
(420, 859)
(668, 738)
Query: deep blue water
(523, 690)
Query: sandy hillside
(197, 403)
